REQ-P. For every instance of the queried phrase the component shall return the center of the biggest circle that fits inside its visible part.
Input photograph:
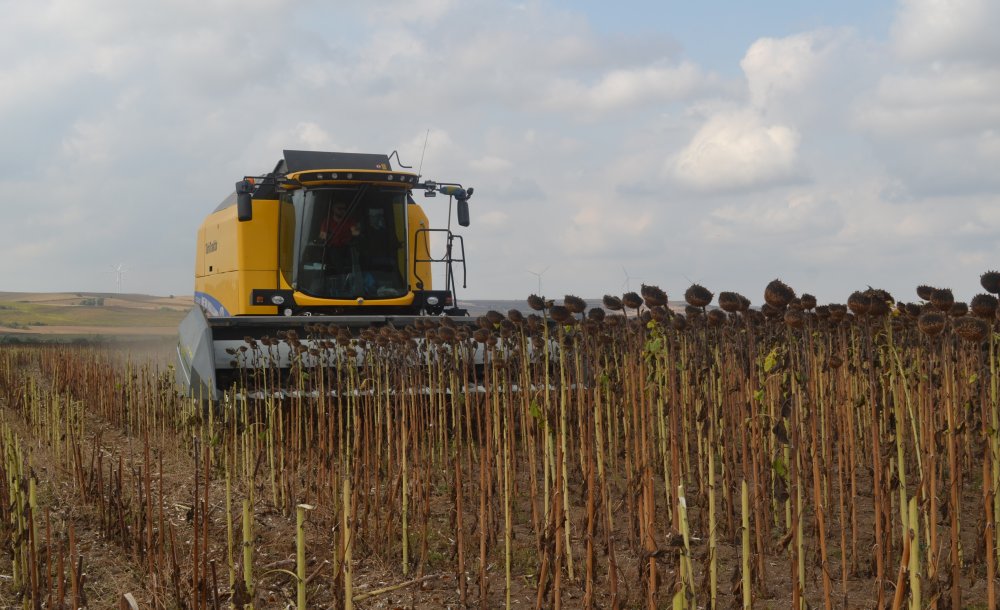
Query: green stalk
(248, 550)
(914, 567)
(300, 553)
(713, 559)
(348, 545)
(745, 538)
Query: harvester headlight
(432, 300)
(288, 311)
(278, 299)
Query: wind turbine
(626, 285)
(539, 275)
(119, 271)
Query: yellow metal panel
(248, 280)
(217, 293)
(219, 241)
(236, 257)
(258, 239)
(199, 257)
(418, 220)
(308, 301)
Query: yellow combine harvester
(325, 238)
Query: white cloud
(737, 150)
(491, 164)
(629, 87)
(939, 100)
(929, 30)
(777, 68)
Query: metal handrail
(448, 259)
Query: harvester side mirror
(462, 209)
(244, 209)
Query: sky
(833, 145)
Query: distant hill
(88, 314)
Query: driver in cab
(338, 230)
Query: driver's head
(340, 209)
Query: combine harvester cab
(325, 240)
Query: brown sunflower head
(659, 313)
(612, 303)
(698, 296)
(560, 313)
(972, 329)
(984, 305)
(808, 301)
(770, 311)
(574, 304)
(536, 302)
(729, 301)
(778, 294)
(716, 317)
(990, 281)
(653, 296)
(515, 316)
(494, 317)
(838, 311)
(678, 322)
(823, 312)
(931, 323)
(958, 309)
(942, 299)
(924, 292)
(795, 318)
(596, 314)
(859, 302)
(881, 295)
(631, 300)
(913, 311)
(880, 302)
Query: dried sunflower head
(924, 292)
(942, 299)
(958, 309)
(698, 296)
(653, 296)
(574, 304)
(859, 302)
(729, 301)
(631, 300)
(931, 323)
(560, 313)
(778, 294)
(984, 305)
(972, 329)
(612, 303)
(990, 281)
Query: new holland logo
(211, 246)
